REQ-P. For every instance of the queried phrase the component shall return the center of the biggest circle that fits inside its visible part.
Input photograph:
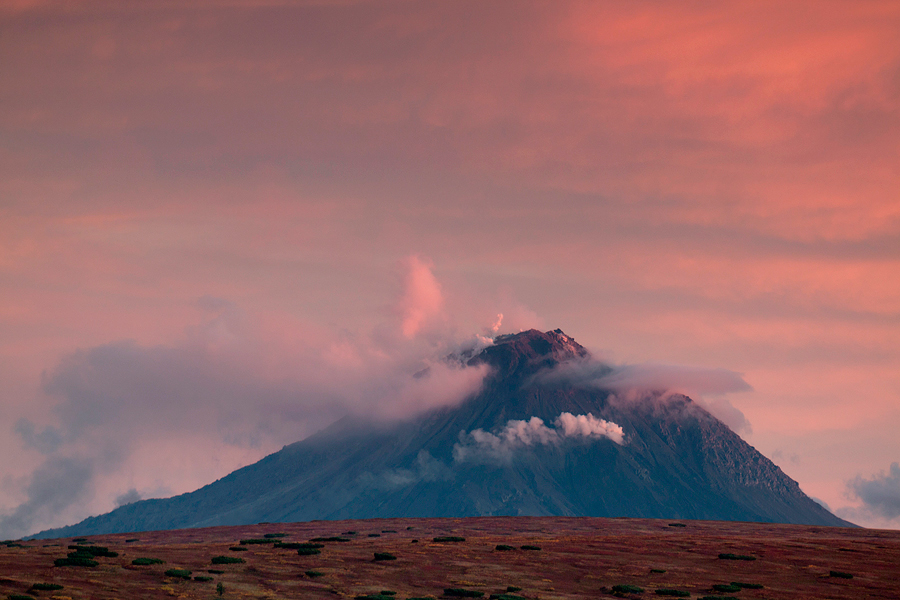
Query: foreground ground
(568, 558)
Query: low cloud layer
(704, 385)
(480, 446)
(237, 385)
(880, 494)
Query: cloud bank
(480, 446)
(130, 420)
(880, 494)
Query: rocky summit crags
(536, 440)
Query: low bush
(449, 538)
(671, 592)
(375, 597)
(76, 540)
(333, 538)
(388, 531)
(203, 578)
(512, 588)
(226, 560)
(726, 587)
(274, 535)
(840, 574)
(94, 551)
(462, 593)
(374, 535)
(527, 547)
(718, 598)
(729, 556)
(420, 597)
(624, 588)
(748, 586)
(314, 574)
(297, 545)
(384, 556)
(387, 593)
(180, 573)
(75, 562)
(503, 547)
(215, 571)
(677, 525)
(350, 532)
(46, 587)
(19, 597)
(505, 597)
(128, 541)
(238, 549)
(252, 541)
(657, 570)
(147, 561)
(220, 589)
(308, 551)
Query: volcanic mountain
(532, 441)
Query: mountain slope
(671, 460)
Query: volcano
(532, 441)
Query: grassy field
(509, 558)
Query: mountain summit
(536, 440)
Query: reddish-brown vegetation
(579, 558)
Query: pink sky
(250, 188)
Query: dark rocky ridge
(678, 462)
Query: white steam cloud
(482, 446)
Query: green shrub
(147, 561)
(671, 592)
(388, 531)
(512, 588)
(19, 597)
(252, 541)
(527, 547)
(75, 562)
(333, 538)
(624, 588)
(462, 593)
(202, 578)
(238, 549)
(274, 535)
(180, 573)
(748, 586)
(297, 545)
(420, 597)
(503, 547)
(840, 574)
(215, 571)
(350, 532)
(314, 574)
(677, 525)
(387, 593)
(220, 589)
(449, 538)
(718, 598)
(374, 597)
(94, 551)
(226, 560)
(76, 540)
(729, 556)
(505, 597)
(374, 535)
(657, 570)
(726, 587)
(384, 556)
(128, 541)
(308, 551)
(46, 587)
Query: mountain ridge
(502, 451)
